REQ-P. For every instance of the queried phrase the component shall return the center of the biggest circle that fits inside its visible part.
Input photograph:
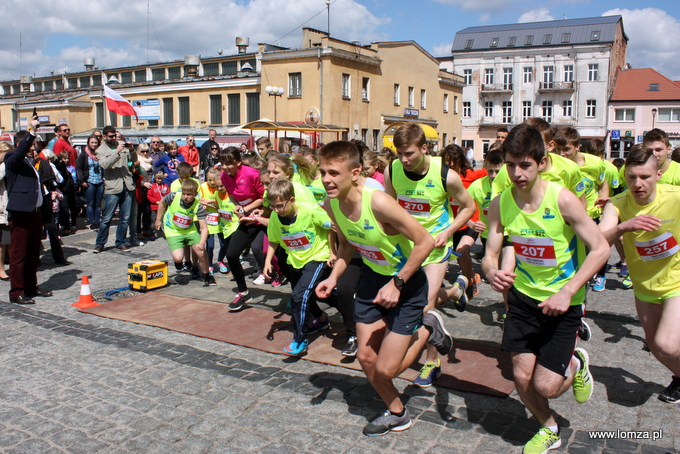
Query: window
(252, 106)
(376, 139)
(547, 111)
(234, 106)
(507, 112)
(625, 115)
(566, 108)
(157, 73)
(345, 86)
(507, 78)
(140, 75)
(211, 69)
(168, 113)
(396, 95)
(467, 74)
(528, 75)
(488, 76)
(294, 86)
(37, 86)
(59, 84)
(229, 68)
(126, 77)
(468, 43)
(568, 73)
(668, 114)
(455, 104)
(411, 96)
(365, 88)
(591, 105)
(215, 109)
(547, 38)
(446, 103)
(488, 108)
(494, 42)
(99, 114)
(85, 81)
(526, 110)
(592, 71)
(653, 87)
(423, 99)
(595, 35)
(511, 41)
(184, 118)
(175, 72)
(49, 86)
(467, 109)
(548, 76)
(529, 40)
(97, 80)
(127, 121)
(113, 119)
(73, 82)
(566, 37)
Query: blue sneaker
(624, 271)
(600, 281)
(626, 282)
(430, 371)
(296, 348)
(224, 269)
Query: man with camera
(119, 188)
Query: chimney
(89, 64)
(26, 82)
(191, 63)
(242, 44)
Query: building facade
(562, 71)
(642, 99)
(361, 88)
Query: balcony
(555, 86)
(496, 88)
(495, 121)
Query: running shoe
(318, 324)
(209, 280)
(241, 299)
(195, 273)
(259, 280)
(542, 442)
(439, 337)
(279, 280)
(583, 381)
(626, 282)
(351, 347)
(599, 284)
(584, 332)
(461, 302)
(618, 265)
(430, 371)
(671, 395)
(224, 269)
(296, 348)
(624, 271)
(388, 422)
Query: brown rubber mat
(470, 367)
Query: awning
(430, 132)
(285, 126)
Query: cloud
(536, 15)
(653, 43)
(443, 50)
(61, 34)
(489, 6)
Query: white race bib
(296, 241)
(659, 248)
(534, 251)
(372, 253)
(415, 206)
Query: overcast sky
(58, 35)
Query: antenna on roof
(564, 16)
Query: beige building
(361, 88)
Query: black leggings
(238, 242)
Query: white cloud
(653, 39)
(443, 50)
(115, 35)
(536, 15)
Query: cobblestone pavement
(74, 382)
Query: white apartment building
(562, 71)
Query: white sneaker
(259, 280)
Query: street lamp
(653, 117)
(275, 92)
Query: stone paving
(77, 383)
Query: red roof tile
(634, 85)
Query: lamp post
(654, 111)
(276, 92)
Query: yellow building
(361, 88)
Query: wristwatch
(398, 282)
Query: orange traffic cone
(85, 301)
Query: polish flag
(116, 103)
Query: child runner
(156, 193)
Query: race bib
(534, 251)
(225, 215)
(414, 205)
(371, 253)
(212, 218)
(182, 221)
(296, 241)
(659, 248)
